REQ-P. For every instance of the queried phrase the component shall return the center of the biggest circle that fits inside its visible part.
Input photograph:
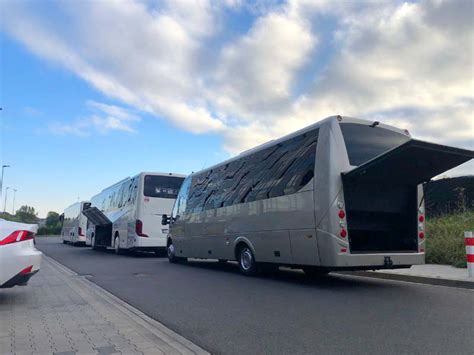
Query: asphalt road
(224, 312)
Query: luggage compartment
(381, 218)
(103, 226)
(381, 195)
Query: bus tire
(246, 261)
(94, 247)
(64, 242)
(171, 253)
(117, 248)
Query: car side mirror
(165, 219)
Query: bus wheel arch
(241, 242)
(171, 253)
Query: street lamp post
(14, 195)
(1, 180)
(5, 203)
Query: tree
(26, 214)
(52, 219)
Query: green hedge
(445, 238)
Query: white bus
(342, 194)
(127, 215)
(74, 224)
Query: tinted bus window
(364, 142)
(180, 203)
(274, 171)
(162, 186)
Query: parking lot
(215, 307)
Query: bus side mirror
(61, 217)
(165, 220)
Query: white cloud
(103, 119)
(139, 56)
(410, 64)
(402, 58)
(257, 71)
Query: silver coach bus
(342, 194)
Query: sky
(95, 91)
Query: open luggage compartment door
(103, 226)
(96, 216)
(381, 195)
(412, 163)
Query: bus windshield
(162, 186)
(364, 143)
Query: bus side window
(135, 190)
(130, 193)
(123, 195)
(120, 196)
(181, 201)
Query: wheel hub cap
(170, 250)
(246, 259)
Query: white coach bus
(342, 194)
(74, 224)
(128, 214)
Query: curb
(160, 331)
(415, 279)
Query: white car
(19, 259)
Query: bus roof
(140, 174)
(298, 132)
(75, 203)
(161, 174)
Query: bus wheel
(94, 247)
(171, 252)
(117, 245)
(64, 242)
(247, 264)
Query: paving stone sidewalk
(441, 275)
(60, 312)
(434, 271)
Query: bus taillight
(139, 228)
(342, 219)
(79, 231)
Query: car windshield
(364, 143)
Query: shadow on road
(283, 275)
(296, 277)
